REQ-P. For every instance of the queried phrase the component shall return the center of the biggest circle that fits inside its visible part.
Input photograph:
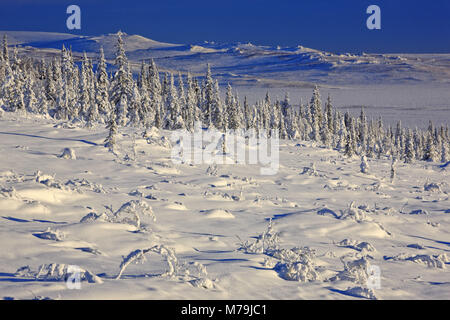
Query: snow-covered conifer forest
(359, 208)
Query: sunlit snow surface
(205, 218)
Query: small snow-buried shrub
(352, 213)
(9, 192)
(81, 184)
(264, 243)
(355, 271)
(360, 292)
(48, 180)
(431, 187)
(133, 212)
(56, 272)
(431, 261)
(68, 153)
(195, 273)
(296, 264)
(50, 234)
(310, 171)
(359, 246)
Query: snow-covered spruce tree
(363, 130)
(445, 153)
(191, 103)
(42, 104)
(173, 119)
(364, 165)
(285, 105)
(349, 151)
(66, 105)
(17, 92)
(3, 60)
(282, 132)
(329, 114)
(217, 108)
(265, 112)
(110, 141)
(182, 99)
(233, 110)
(155, 91)
(393, 171)
(209, 98)
(409, 147)
(134, 106)
(274, 114)
(121, 88)
(50, 87)
(430, 153)
(325, 134)
(31, 103)
(102, 88)
(84, 94)
(316, 109)
(7, 87)
(146, 113)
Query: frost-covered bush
(139, 256)
(310, 171)
(431, 261)
(133, 212)
(264, 243)
(352, 213)
(196, 274)
(356, 245)
(357, 271)
(68, 153)
(92, 216)
(296, 264)
(48, 180)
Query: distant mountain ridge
(249, 64)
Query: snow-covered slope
(67, 208)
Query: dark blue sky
(333, 25)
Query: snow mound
(218, 214)
(360, 292)
(359, 246)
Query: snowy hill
(252, 62)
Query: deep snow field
(329, 223)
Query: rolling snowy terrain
(67, 209)
(411, 87)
